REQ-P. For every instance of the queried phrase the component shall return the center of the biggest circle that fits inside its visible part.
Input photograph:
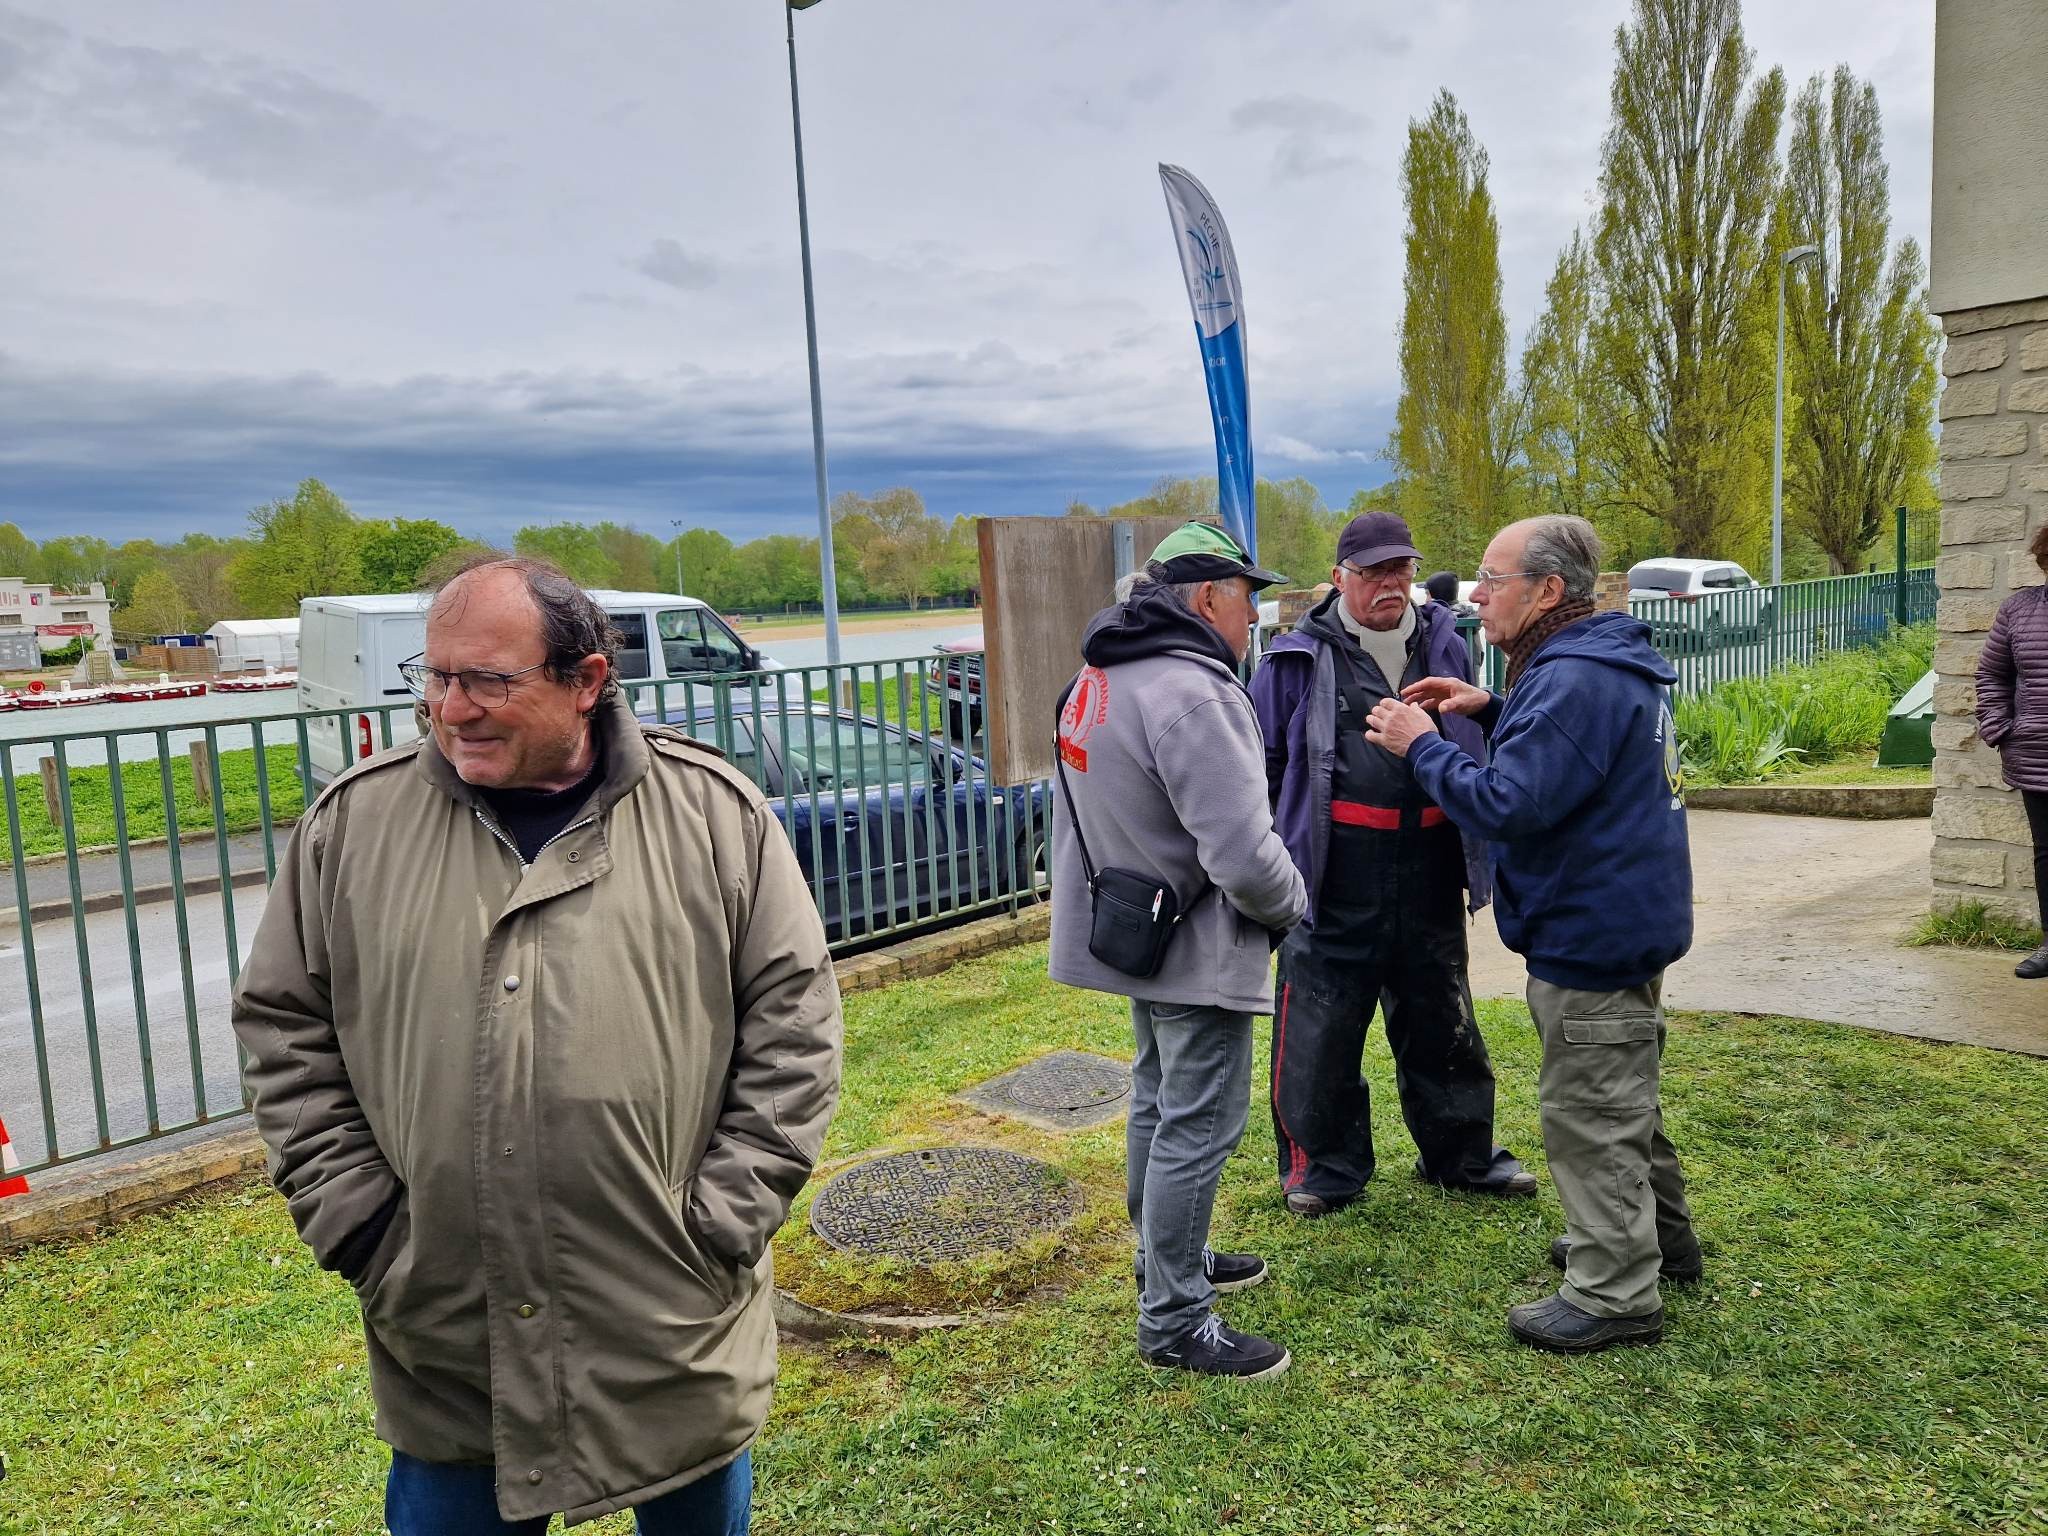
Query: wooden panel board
(1042, 580)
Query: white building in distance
(54, 619)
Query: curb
(134, 1187)
(113, 901)
(1854, 802)
(806, 1321)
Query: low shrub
(1756, 728)
(1972, 925)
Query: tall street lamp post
(827, 575)
(1797, 253)
(677, 524)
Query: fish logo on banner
(1210, 267)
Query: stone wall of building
(1994, 494)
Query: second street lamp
(827, 576)
(1797, 253)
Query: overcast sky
(517, 261)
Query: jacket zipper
(544, 847)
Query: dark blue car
(891, 826)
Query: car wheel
(1029, 861)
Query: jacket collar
(619, 738)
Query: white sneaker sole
(1277, 1368)
(1245, 1284)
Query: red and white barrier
(11, 1183)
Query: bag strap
(1059, 763)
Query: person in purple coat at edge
(2012, 715)
(1390, 882)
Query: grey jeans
(1190, 1096)
(1616, 1172)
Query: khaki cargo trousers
(1616, 1172)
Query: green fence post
(1899, 596)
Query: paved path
(99, 873)
(1801, 915)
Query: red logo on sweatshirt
(1085, 710)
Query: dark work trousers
(1389, 933)
(2036, 802)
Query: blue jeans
(431, 1498)
(1190, 1097)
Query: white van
(350, 649)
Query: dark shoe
(1506, 1177)
(1313, 1207)
(1226, 1271)
(1554, 1323)
(1672, 1272)
(1217, 1349)
(2034, 967)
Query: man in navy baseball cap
(1389, 881)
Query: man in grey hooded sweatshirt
(1162, 772)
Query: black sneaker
(1312, 1207)
(2034, 967)
(1684, 1271)
(1217, 1349)
(1226, 1271)
(1555, 1324)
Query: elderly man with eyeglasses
(543, 1037)
(1390, 881)
(1581, 804)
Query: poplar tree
(1456, 428)
(1683, 253)
(1860, 343)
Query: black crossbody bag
(1131, 917)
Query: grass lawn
(92, 800)
(1866, 1354)
(1860, 771)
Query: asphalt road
(69, 1043)
(100, 873)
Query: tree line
(1644, 395)
(888, 548)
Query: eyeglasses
(486, 690)
(1386, 570)
(1491, 580)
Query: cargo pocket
(1609, 1061)
(707, 1273)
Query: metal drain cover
(942, 1203)
(1062, 1090)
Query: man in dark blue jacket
(1388, 879)
(1580, 804)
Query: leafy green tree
(897, 546)
(202, 565)
(1682, 252)
(574, 548)
(17, 553)
(708, 565)
(156, 607)
(1297, 532)
(303, 547)
(776, 572)
(1182, 496)
(75, 561)
(395, 551)
(1860, 343)
(1079, 508)
(131, 562)
(634, 555)
(1457, 427)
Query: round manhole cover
(1068, 1085)
(942, 1203)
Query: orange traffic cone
(11, 1183)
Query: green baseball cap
(1204, 552)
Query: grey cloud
(666, 262)
(1305, 124)
(234, 120)
(1299, 114)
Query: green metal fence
(140, 858)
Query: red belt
(1383, 818)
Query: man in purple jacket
(1388, 880)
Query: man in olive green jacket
(543, 1038)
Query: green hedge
(1756, 728)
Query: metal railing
(1748, 631)
(145, 853)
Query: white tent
(250, 645)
